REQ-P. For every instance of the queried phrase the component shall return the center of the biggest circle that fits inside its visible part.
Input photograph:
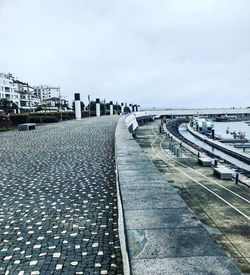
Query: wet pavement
(58, 201)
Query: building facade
(55, 104)
(28, 98)
(45, 92)
(8, 89)
(20, 93)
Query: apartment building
(8, 88)
(28, 100)
(45, 92)
(21, 93)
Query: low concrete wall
(161, 234)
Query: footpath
(162, 235)
(58, 203)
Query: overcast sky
(168, 53)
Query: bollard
(179, 153)
(237, 178)
(111, 108)
(78, 112)
(122, 108)
(126, 108)
(98, 107)
(172, 148)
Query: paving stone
(58, 197)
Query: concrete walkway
(58, 202)
(163, 235)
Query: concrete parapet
(161, 234)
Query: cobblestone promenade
(58, 204)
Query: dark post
(212, 133)
(237, 178)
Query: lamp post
(89, 103)
(60, 105)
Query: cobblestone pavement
(58, 203)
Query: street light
(61, 107)
(60, 104)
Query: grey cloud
(174, 53)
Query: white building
(28, 100)
(8, 89)
(21, 93)
(46, 92)
(55, 104)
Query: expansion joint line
(208, 215)
(194, 180)
(204, 176)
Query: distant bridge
(241, 112)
